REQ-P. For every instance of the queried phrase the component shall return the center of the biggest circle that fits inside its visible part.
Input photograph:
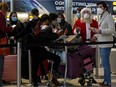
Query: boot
(56, 82)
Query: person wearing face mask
(106, 29)
(43, 35)
(31, 24)
(55, 24)
(77, 15)
(81, 26)
(18, 27)
(3, 37)
(15, 23)
(65, 26)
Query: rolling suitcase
(78, 63)
(10, 65)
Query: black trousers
(1, 68)
(41, 56)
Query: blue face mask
(14, 19)
(78, 15)
(59, 20)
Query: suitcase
(10, 66)
(79, 62)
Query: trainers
(104, 84)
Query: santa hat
(86, 9)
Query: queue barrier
(29, 46)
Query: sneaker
(104, 84)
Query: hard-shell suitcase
(10, 66)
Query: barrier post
(18, 64)
(65, 77)
(97, 61)
(30, 76)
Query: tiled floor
(72, 82)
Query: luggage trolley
(55, 50)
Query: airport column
(3, 0)
(11, 6)
(68, 11)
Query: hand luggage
(79, 62)
(10, 66)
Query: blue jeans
(105, 54)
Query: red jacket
(78, 23)
(3, 30)
(3, 27)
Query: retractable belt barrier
(29, 46)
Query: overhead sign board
(47, 6)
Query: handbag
(4, 50)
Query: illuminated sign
(47, 6)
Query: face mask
(78, 15)
(99, 11)
(59, 20)
(14, 18)
(86, 15)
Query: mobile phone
(13, 26)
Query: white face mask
(99, 11)
(86, 15)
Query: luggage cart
(55, 50)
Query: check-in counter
(113, 60)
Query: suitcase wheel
(82, 81)
(89, 83)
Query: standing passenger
(84, 23)
(67, 28)
(3, 30)
(106, 29)
(82, 26)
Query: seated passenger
(40, 53)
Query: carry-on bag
(9, 73)
(79, 62)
